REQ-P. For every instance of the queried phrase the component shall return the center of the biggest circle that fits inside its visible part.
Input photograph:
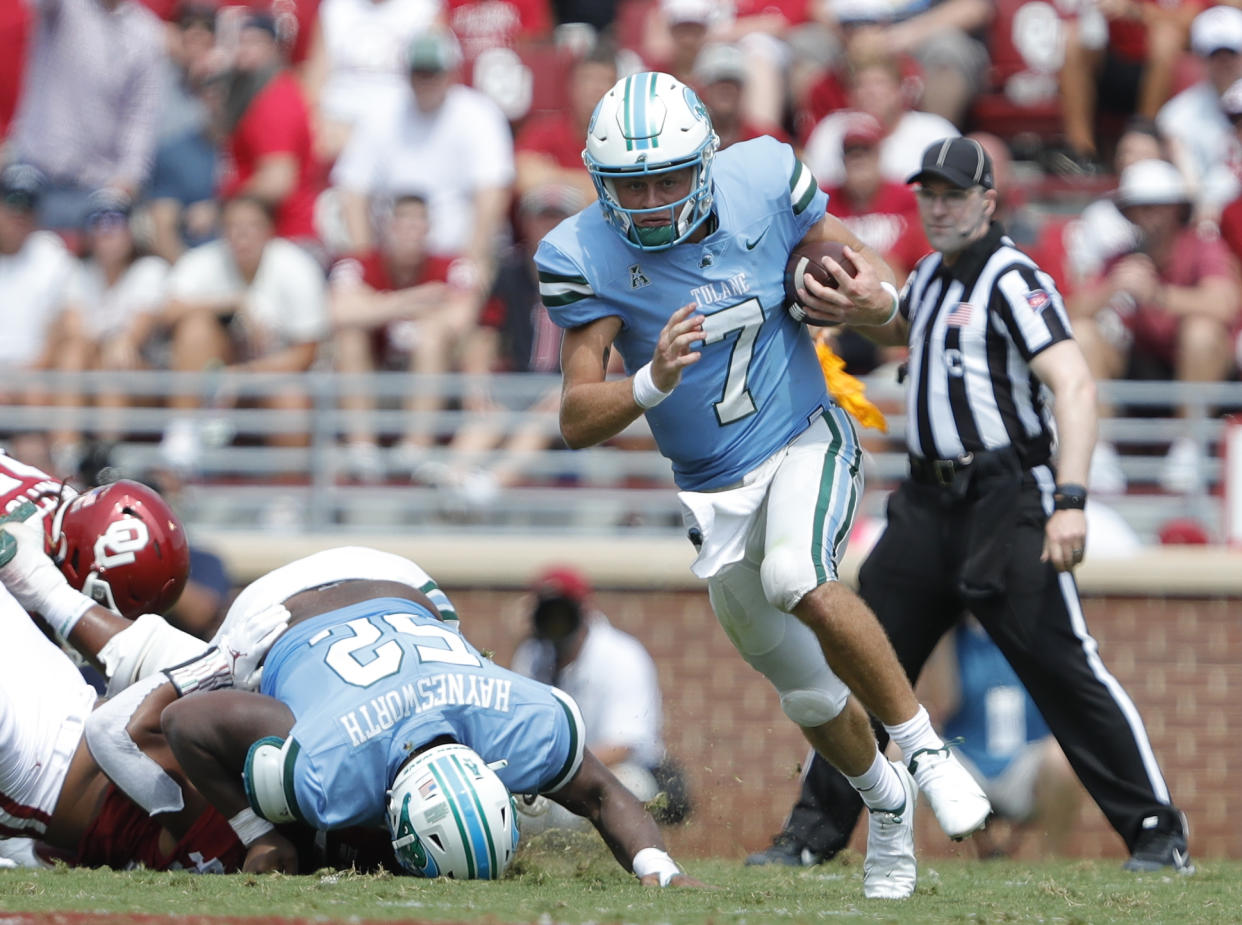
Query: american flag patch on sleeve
(960, 316)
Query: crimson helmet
(121, 545)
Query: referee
(987, 521)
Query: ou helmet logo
(120, 542)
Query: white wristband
(249, 826)
(897, 303)
(655, 861)
(646, 393)
(62, 608)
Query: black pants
(913, 582)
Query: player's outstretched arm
(125, 650)
(210, 735)
(627, 828)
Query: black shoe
(1160, 851)
(787, 852)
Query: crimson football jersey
(122, 836)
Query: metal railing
(241, 477)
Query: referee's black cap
(960, 161)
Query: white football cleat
(955, 797)
(890, 872)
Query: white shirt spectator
(901, 149)
(365, 43)
(109, 310)
(1195, 118)
(287, 298)
(614, 682)
(32, 289)
(447, 155)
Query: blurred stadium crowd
(357, 186)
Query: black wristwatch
(1069, 497)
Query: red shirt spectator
(269, 146)
(14, 35)
(1194, 257)
(391, 342)
(555, 134)
(295, 21)
(483, 24)
(493, 35)
(883, 213)
(548, 148)
(888, 223)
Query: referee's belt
(938, 471)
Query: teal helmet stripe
(640, 89)
(653, 131)
(467, 788)
(450, 792)
(627, 108)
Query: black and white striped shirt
(974, 328)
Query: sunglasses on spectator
(19, 200)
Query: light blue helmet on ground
(449, 815)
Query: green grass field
(578, 883)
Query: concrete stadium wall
(1169, 625)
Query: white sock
(914, 734)
(879, 786)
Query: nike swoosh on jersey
(751, 245)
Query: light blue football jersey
(758, 383)
(371, 682)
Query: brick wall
(1179, 659)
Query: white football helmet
(450, 815)
(649, 124)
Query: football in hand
(805, 259)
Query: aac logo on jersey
(638, 278)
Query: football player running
(680, 267)
(373, 711)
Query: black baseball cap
(960, 161)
